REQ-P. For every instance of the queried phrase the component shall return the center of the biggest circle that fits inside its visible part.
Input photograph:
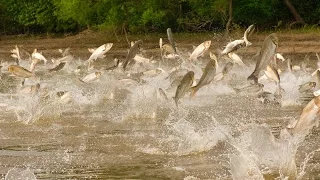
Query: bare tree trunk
(229, 19)
(293, 11)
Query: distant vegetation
(136, 16)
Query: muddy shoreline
(290, 44)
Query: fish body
(20, 71)
(251, 89)
(117, 63)
(66, 58)
(37, 55)
(170, 38)
(91, 77)
(272, 73)
(200, 50)
(267, 52)
(65, 52)
(308, 118)
(227, 68)
(167, 48)
(33, 64)
(240, 43)
(184, 86)
(99, 52)
(307, 87)
(152, 72)
(206, 78)
(16, 53)
(58, 67)
(236, 59)
(132, 53)
(140, 59)
(162, 94)
(233, 46)
(269, 98)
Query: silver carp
(265, 56)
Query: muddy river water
(120, 127)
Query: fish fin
(292, 124)
(81, 80)
(253, 77)
(194, 90)
(175, 100)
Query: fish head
(11, 68)
(312, 84)
(274, 39)
(207, 44)
(108, 45)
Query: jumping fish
(33, 64)
(167, 48)
(16, 54)
(237, 44)
(117, 63)
(269, 98)
(20, 53)
(91, 77)
(170, 38)
(132, 53)
(308, 118)
(251, 89)
(162, 94)
(206, 78)
(20, 71)
(226, 69)
(99, 52)
(267, 52)
(236, 59)
(306, 87)
(66, 58)
(273, 74)
(214, 57)
(200, 50)
(184, 86)
(152, 72)
(58, 67)
(37, 55)
(65, 52)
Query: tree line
(136, 16)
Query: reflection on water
(119, 127)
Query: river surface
(120, 127)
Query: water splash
(20, 174)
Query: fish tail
(193, 91)
(248, 43)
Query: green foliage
(137, 16)
(34, 15)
